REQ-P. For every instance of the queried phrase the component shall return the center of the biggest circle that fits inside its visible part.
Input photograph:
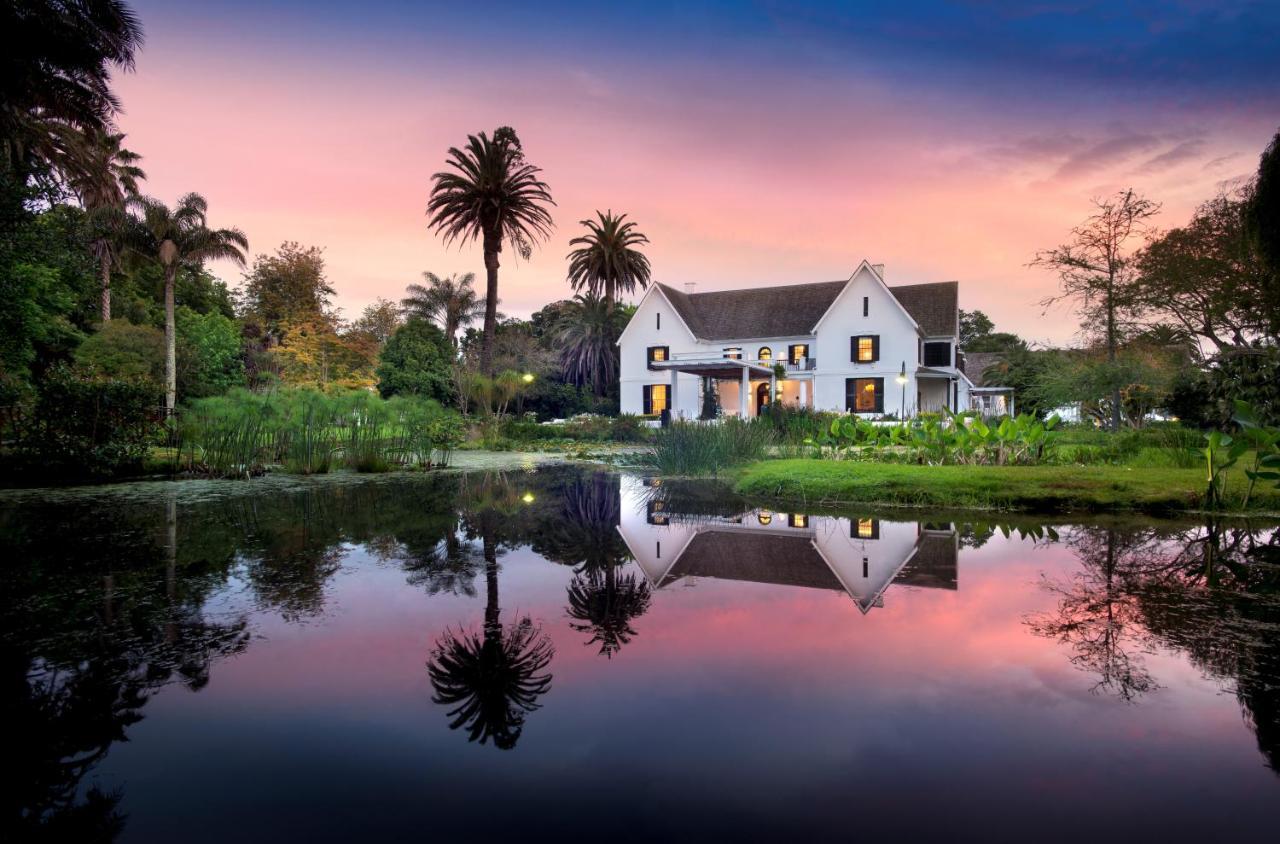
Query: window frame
(852, 387)
(856, 341)
(793, 358)
(650, 360)
(764, 353)
(855, 529)
(925, 358)
(647, 400)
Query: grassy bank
(1039, 488)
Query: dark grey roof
(977, 363)
(934, 563)
(792, 310)
(780, 559)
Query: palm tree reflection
(604, 604)
(492, 680)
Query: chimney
(879, 268)
(688, 287)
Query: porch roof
(929, 372)
(720, 368)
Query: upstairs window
(733, 353)
(864, 395)
(765, 354)
(799, 352)
(865, 529)
(864, 349)
(798, 520)
(937, 354)
(658, 354)
(655, 399)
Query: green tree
(176, 238)
(286, 288)
(379, 321)
(209, 354)
(121, 349)
(1264, 212)
(491, 194)
(449, 302)
(417, 360)
(608, 260)
(1096, 269)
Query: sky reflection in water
(537, 653)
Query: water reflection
(110, 597)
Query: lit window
(865, 529)
(866, 350)
(733, 353)
(864, 395)
(766, 354)
(660, 353)
(799, 352)
(765, 517)
(655, 399)
(798, 520)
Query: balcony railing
(802, 365)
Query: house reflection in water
(861, 557)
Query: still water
(576, 653)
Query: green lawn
(1041, 488)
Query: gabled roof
(977, 363)
(792, 310)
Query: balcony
(802, 365)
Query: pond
(565, 651)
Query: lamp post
(902, 379)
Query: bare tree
(1096, 270)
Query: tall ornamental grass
(701, 448)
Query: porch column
(675, 394)
(742, 392)
(804, 392)
(773, 388)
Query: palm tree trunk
(492, 244)
(170, 342)
(492, 612)
(609, 294)
(105, 259)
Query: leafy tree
(311, 353)
(1264, 211)
(973, 325)
(55, 71)
(449, 302)
(124, 350)
(493, 195)
(287, 288)
(607, 260)
(416, 361)
(379, 321)
(34, 317)
(175, 238)
(209, 354)
(1095, 268)
(1209, 278)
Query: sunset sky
(765, 143)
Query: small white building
(856, 346)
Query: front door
(762, 397)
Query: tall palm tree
(607, 261)
(604, 605)
(494, 679)
(491, 194)
(173, 238)
(449, 302)
(588, 337)
(103, 174)
(55, 70)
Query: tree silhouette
(604, 604)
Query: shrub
(694, 448)
(416, 361)
(86, 425)
(121, 349)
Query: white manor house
(856, 346)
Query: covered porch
(936, 390)
(743, 388)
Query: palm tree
(494, 679)
(449, 302)
(104, 174)
(607, 261)
(56, 72)
(492, 194)
(588, 337)
(604, 605)
(176, 238)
